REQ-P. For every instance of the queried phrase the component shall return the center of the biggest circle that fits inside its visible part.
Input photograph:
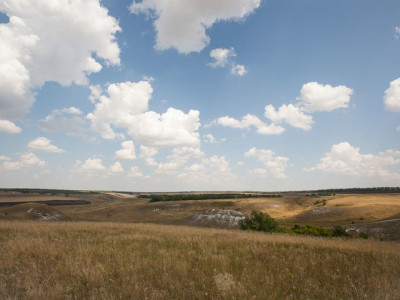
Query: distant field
(81, 260)
(23, 197)
(290, 209)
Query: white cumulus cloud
(90, 165)
(26, 160)
(221, 56)
(319, 97)
(290, 114)
(249, 121)
(57, 40)
(147, 154)
(127, 152)
(44, 144)
(211, 172)
(344, 159)
(9, 127)
(313, 97)
(182, 24)
(209, 138)
(126, 108)
(276, 165)
(135, 172)
(71, 111)
(391, 98)
(239, 70)
(179, 157)
(116, 168)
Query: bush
(363, 235)
(311, 230)
(258, 221)
(339, 231)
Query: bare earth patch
(222, 218)
(389, 229)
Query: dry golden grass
(347, 209)
(142, 261)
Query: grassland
(84, 260)
(290, 209)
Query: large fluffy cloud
(126, 107)
(319, 97)
(392, 96)
(44, 144)
(345, 159)
(182, 24)
(125, 100)
(56, 40)
(275, 164)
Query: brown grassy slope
(32, 211)
(345, 209)
(292, 208)
(136, 261)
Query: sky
(199, 95)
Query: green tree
(258, 221)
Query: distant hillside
(33, 211)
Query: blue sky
(199, 95)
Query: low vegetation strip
(136, 261)
(182, 197)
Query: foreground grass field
(81, 260)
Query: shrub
(258, 221)
(311, 230)
(363, 235)
(339, 231)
